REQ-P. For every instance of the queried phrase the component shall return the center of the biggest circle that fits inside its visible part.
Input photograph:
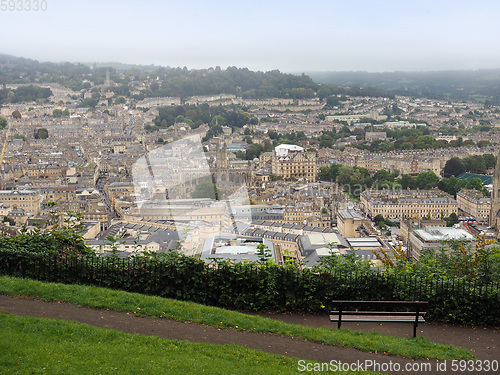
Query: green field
(143, 305)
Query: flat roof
(443, 233)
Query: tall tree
(453, 167)
(41, 133)
(427, 180)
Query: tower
(495, 198)
(108, 80)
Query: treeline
(24, 94)
(178, 82)
(354, 180)
(455, 85)
(195, 115)
(472, 164)
(418, 138)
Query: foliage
(453, 167)
(60, 113)
(41, 133)
(354, 180)
(451, 220)
(59, 254)
(3, 122)
(24, 94)
(63, 238)
(394, 263)
(206, 189)
(450, 85)
(341, 263)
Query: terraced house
(402, 204)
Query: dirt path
(483, 343)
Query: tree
(475, 183)
(16, 114)
(41, 133)
(475, 164)
(382, 175)
(332, 101)
(490, 160)
(427, 180)
(205, 189)
(323, 93)
(406, 181)
(448, 185)
(3, 122)
(254, 151)
(378, 219)
(460, 185)
(426, 141)
(451, 220)
(453, 167)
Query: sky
(292, 36)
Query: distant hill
(455, 85)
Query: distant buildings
(473, 203)
(27, 200)
(292, 162)
(401, 204)
(351, 224)
(433, 238)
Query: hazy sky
(292, 36)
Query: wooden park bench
(379, 311)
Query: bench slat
(388, 313)
(371, 320)
(385, 304)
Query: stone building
(290, 161)
(474, 203)
(27, 200)
(401, 204)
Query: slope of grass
(143, 305)
(49, 346)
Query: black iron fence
(253, 287)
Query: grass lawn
(49, 346)
(144, 305)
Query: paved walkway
(484, 343)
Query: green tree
(382, 175)
(332, 101)
(474, 164)
(453, 167)
(460, 185)
(426, 141)
(323, 93)
(475, 183)
(451, 220)
(41, 133)
(205, 189)
(3, 122)
(490, 160)
(427, 180)
(254, 151)
(16, 114)
(406, 181)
